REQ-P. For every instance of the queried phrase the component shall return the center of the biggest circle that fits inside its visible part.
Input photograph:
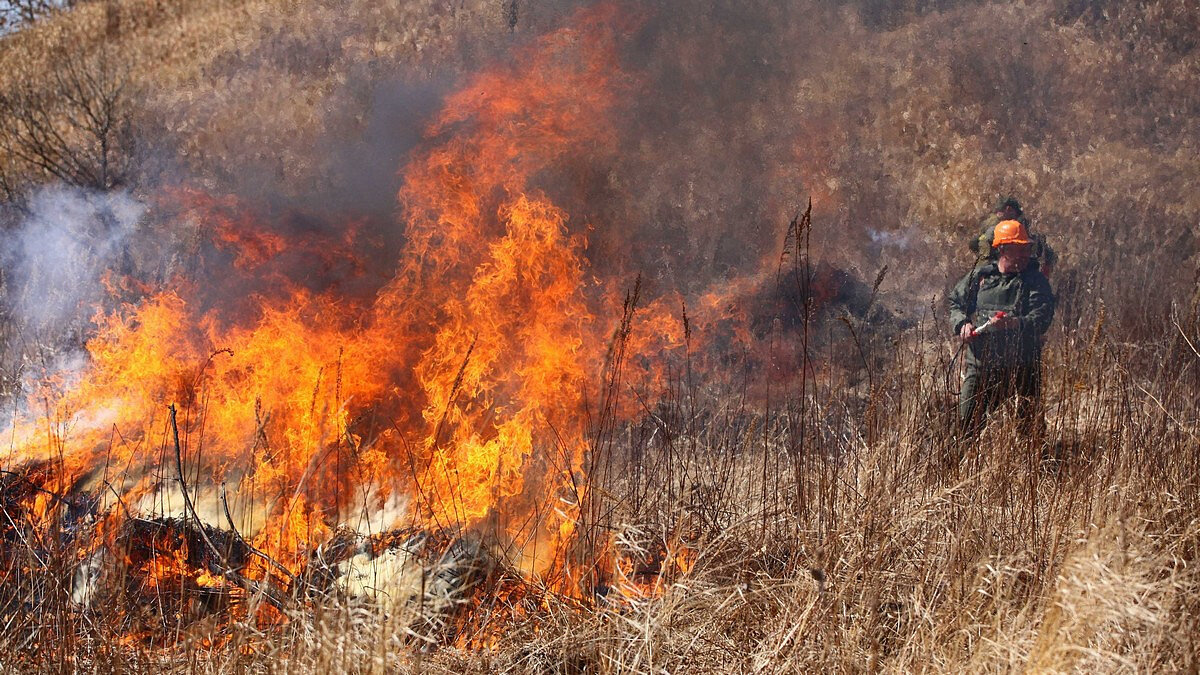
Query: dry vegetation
(834, 532)
(829, 520)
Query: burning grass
(497, 451)
(720, 534)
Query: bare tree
(72, 126)
(13, 13)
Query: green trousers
(985, 389)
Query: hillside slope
(509, 305)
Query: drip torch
(988, 325)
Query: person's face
(1015, 257)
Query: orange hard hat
(1010, 232)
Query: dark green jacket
(1026, 296)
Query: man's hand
(967, 332)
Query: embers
(175, 553)
(640, 562)
(33, 493)
(145, 578)
(50, 528)
(39, 524)
(160, 573)
(45, 530)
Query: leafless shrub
(74, 127)
(14, 13)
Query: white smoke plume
(55, 261)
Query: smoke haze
(57, 259)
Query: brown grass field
(768, 481)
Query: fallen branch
(250, 547)
(226, 570)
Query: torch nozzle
(989, 323)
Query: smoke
(722, 138)
(59, 258)
(900, 121)
(901, 240)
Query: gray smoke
(56, 260)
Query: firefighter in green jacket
(1001, 310)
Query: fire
(506, 367)
(487, 330)
(463, 385)
(516, 341)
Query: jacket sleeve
(1039, 306)
(962, 302)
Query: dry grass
(829, 529)
(843, 540)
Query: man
(1003, 357)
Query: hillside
(591, 336)
(896, 121)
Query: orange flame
(478, 352)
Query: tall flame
(462, 385)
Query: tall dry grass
(834, 522)
(858, 535)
